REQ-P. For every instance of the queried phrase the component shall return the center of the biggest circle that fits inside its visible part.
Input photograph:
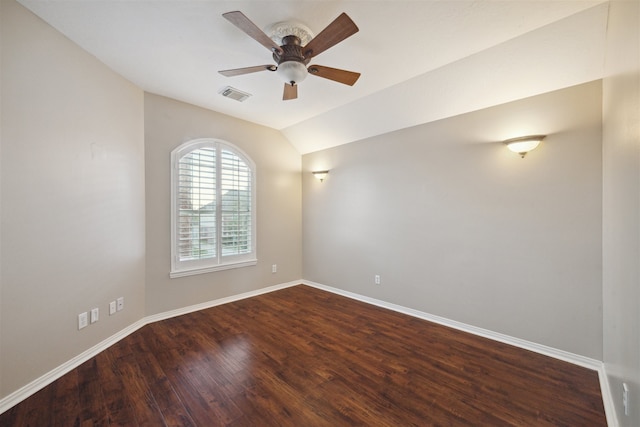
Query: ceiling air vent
(233, 93)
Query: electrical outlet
(120, 303)
(625, 398)
(95, 315)
(82, 320)
(112, 308)
(274, 268)
(376, 279)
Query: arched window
(213, 206)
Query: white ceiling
(420, 60)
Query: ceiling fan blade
(238, 19)
(290, 92)
(341, 28)
(247, 70)
(335, 74)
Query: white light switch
(82, 320)
(95, 315)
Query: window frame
(220, 261)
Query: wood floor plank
(112, 385)
(138, 393)
(66, 410)
(32, 415)
(304, 357)
(91, 401)
(171, 407)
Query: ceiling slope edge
(560, 55)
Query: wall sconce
(524, 144)
(321, 175)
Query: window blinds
(208, 228)
(235, 178)
(197, 205)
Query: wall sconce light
(524, 144)
(321, 175)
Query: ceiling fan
(292, 58)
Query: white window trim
(182, 269)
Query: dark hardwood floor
(304, 357)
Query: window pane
(197, 205)
(235, 178)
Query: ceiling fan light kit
(293, 47)
(292, 72)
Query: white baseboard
(197, 307)
(607, 398)
(39, 383)
(24, 392)
(566, 356)
(528, 345)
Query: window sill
(194, 271)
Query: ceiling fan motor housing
(291, 51)
(292, 63)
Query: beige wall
(169, 123)
(458, 226)
(621, 206)
(73, 200)
(72, 218)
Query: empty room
(320, 213)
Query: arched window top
(213, 207)
(194, 144)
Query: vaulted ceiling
(420, 60)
